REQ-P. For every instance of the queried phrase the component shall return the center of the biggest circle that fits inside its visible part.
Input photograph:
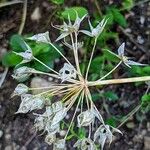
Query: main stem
(119, 81)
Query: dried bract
(41, 37)
(22, 73)
(20, 89)
(95, 32)
(59, 144)
(104, 133)
(29, 103)
(67, 72)
(85, 118)
(85, 144)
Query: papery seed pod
(85, 118)
(41, 37)
(50, 139)
(30, 103)
(57, 106)
(104, 133)
(60, 115)
(67, 72)
(20, 89)
(59, 144)
(23, 109)
(22, 73)
(95, 32)
(39, 123)
(124, 58)
(85, 144)
(69, 28)
(51, 129)
(37, 103)
(49, 112)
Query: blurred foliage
(145, 102)
(71, 12)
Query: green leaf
(40, 48)
(81, 132)
(96, 96)
(145, 102)
(110, 17)
(71, 11)
(10, 59)
(127, 4)
(140, 71)
(96, 64)
(45, 59)
(110, 56)
(119, 18)
(112, 121)
(111, 96)
(17, 43)
(58, 2)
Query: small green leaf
(111, 96)
(96, 64)
(127, 4)
(47, 56)
(10, 59)
(112, 121)
(119, 18)
(146, 102)
(17, 43)
(81, 133)
(71, 12)
(96, 96)
(110, 56)
(46, 59)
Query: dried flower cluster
(73, 88)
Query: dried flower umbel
(73, 87)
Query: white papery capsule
(85, 144)
(69, 28)
(85, 118)
(20, 89)
(60, 115)
(57, 106)
(41, 37)
(29, 103)
(50, 139)
(95, 32)
(67, 72)
(51, 129)
(124, 58)
(104, 133)
(22, 73)
(60, 144)
(39, 123)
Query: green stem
(119, 81)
